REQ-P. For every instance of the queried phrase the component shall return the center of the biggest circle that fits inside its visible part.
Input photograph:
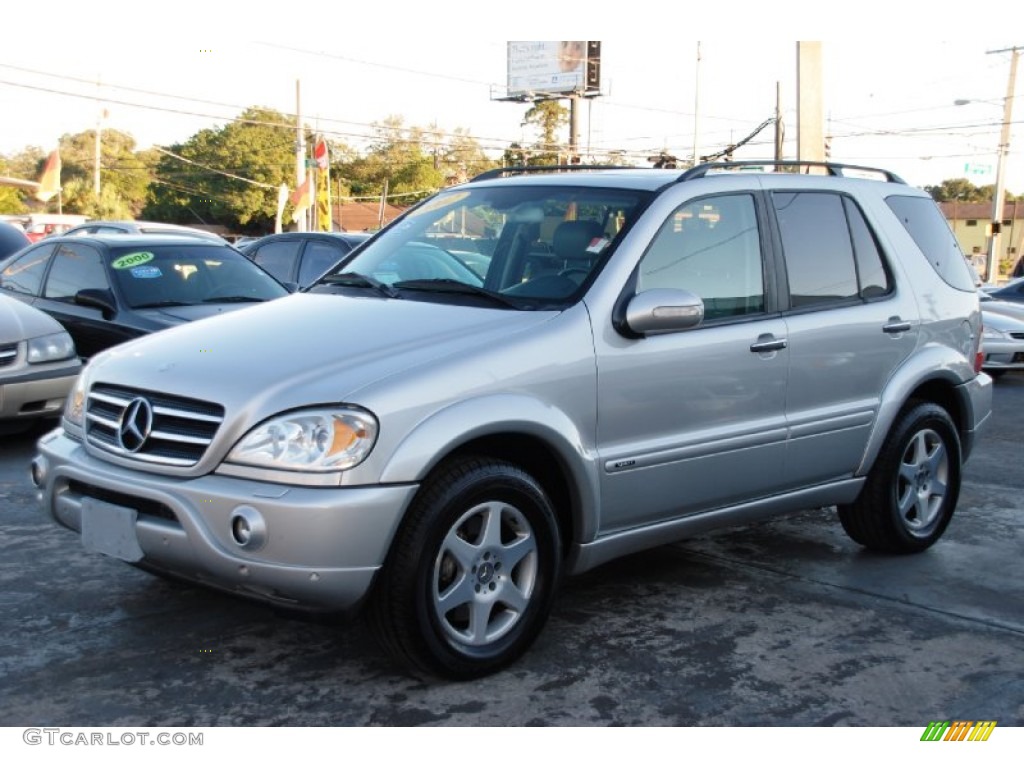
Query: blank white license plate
(110, 530)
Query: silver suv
(529, 375)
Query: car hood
(1008, 308)
(304, 349)
(20, 321)
(1001, 322)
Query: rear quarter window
(921, 217)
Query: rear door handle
(767, 343)
(896, 325)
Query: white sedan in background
(1003, 342)
(38, 364)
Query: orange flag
(301, 198)
(49, 182)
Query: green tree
(11, 198)
(547, 118)
(407, 158)
(963, 191)
(79, 196)
(209, 179)
(123, 171)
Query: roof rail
(834, 169)
(514, 170)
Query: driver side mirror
(99, 298)
(663, 310)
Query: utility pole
(300, 157)
(574, 126)
(96, 151)
(810, 121)
(696, 110)
(780, 133)
(992, 262)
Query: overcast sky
(891, 77)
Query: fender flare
(444, 431)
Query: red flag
(49, 182)
(320, 154)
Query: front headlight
(318, 440)
(47, 349)
(993, 333)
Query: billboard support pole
(574, 127)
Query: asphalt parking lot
(785, 623)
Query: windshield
(169, 275)
(517, 243)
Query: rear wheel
(912, 490)
(469, 582)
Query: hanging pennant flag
(321, 154)
(323, 202)
(301, 199)
(49, 182)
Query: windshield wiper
(166, 303)
(356, 280)
(230, 299)
(447, 285)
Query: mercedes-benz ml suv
(637, 356)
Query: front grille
(182, 428)
(8, 354)
(1017, 335)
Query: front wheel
(912, 490)
(470, 579)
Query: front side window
(278, 257)
(712, 248)
(516, 245)
(75, 268)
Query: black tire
(912, 490)
(454, 602)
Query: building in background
(970, 224)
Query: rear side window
(75, 268)
(832, 256)
(26, 274)
(921, 217)
(819, 251)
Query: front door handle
(768, 343)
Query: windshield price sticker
(132, 260)
(146, 272)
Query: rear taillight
(979, 353)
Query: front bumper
(37, 391)
(308, 548)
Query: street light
(992, 262)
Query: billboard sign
(553, 67)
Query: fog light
(38, 471)
(248, 529)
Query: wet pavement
(783, 623)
